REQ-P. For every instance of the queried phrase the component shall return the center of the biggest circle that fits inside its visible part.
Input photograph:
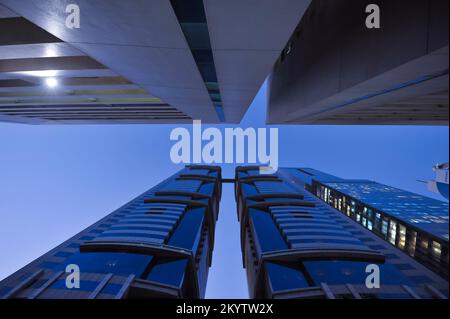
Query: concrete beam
(247, 37)
(140, 40)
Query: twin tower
(160, 245)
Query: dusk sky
(57, 180)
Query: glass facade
(158, 245)
(296, 238)
(397, 216)
(296, 246)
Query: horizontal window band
(323, 254)
(130, 238)
(181, 193)
(268, 205)
(274, 195)
(156, 289)
(191, 203)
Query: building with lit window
(415, 224)
(295, 245)
(157, 245)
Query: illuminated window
(392, 232)
(424, 243)
(369, 225)
(384, 227)
(436, 250)
(412, 244)
(402, 236)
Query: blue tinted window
(351, 272)
(404, 266)
(141, 220)
(282, 277)
(420, 279)
(88, 285)
(85, 285)
(63, 254)
(267, 234)
(129, 228)
(327, 240)
(213, 173)
(309, 233)
(104, 262)
(129, 234)
(207, 188)
(4, 290)
(48, 264)
(391, 256)
(170, 273)
(336, 272)
(377, 247)
(97, 231)
(187, 234)
(248, 189)
(86, 238)
(111, 289)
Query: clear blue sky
(57, 180)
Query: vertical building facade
(296, 246)
(335, 69)
(161, 61)
(157, 245)
(415, 224)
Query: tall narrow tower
(158, 245)
(296, 246)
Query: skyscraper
(296, 246)
(415, 224)
(159, 61)
(158, 245)
(339, 69)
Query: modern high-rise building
(295, 245)
(364, 62)
(134, 61)
(415, 224)
(158, 245)
(171, 61)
